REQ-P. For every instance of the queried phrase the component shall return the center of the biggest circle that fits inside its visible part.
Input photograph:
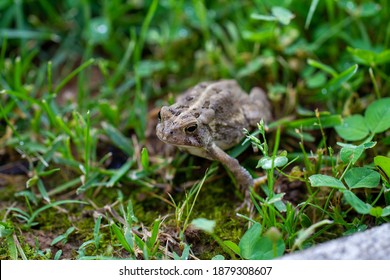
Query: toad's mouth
(182, 146)
(189, 148)
(197, 151)
(178, 142)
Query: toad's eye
(159, 115)
(191, 128)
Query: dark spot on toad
(206, 105)
(217, 90)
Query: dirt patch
(43, 239)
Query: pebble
(372, 244)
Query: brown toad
(209, 118)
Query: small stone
(372, 244)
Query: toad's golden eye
(191, 128)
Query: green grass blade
(48, 206)
(313, 7)
(73, 74)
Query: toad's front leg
(244, 179)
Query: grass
(82, 175)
